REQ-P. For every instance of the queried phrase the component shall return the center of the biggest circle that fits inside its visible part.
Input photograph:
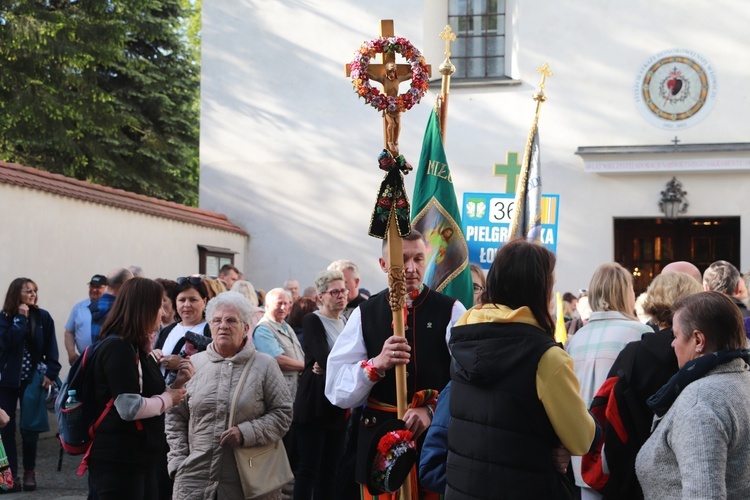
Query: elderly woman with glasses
(319, 426)
(201, 458)
(28, 349)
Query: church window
(479, 50)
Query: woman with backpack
(130, 389)
(595, 347)
(514, 396)
(28, 355)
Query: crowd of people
(191, 373)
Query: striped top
(595, 347)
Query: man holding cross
(360, 365)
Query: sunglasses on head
(193, 280)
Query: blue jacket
(13, 327)
(435, 446)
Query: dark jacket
(120, 445)
(13, 328)
(646, 365)
(435, 446)
(745, 314)
(311, 405)
(500, 437)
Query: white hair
(231, 300)
(344, 265)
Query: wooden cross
(389, 75)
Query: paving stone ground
(63, 485)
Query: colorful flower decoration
(391, 446)
(374, 97)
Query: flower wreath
(373, 96)
(391, 446)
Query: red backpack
(610, 468)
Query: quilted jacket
(202, 469)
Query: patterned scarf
(689, 373)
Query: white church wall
(288, 151)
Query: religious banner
(435, 214)
(529, 196)
(526, 221)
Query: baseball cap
(98, 280)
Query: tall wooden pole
(396, 273)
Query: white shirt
(176, 334)
(347, 385)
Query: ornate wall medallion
(675, 88)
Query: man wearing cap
(359, 369)
(100, 308)
(78, 327)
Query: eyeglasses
(231, 321)
(478, 288)
(29, 292)
(193, 280)
(337, 293)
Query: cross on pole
(389, 75)
(545, 71)
(449, 37)
(446, 69)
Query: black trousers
(124, 485)
(9, 398)
(320, 450)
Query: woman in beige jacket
(201, 458)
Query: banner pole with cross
(390, 217)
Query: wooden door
(645, 246)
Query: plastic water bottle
(72, 401)
(71, 404)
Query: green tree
(102, 90)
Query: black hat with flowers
(391, 456)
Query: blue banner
(486, 219)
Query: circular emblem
(675, 88)
(375, 98)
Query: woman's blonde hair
(609, 289)
(247, 289)
(214, 286)
(664, 291)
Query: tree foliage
(102, 90)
